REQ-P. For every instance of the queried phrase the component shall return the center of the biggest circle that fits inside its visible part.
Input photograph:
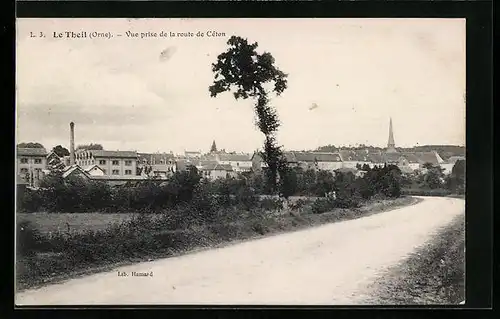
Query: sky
(152, 95)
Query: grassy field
(434, 275)
(78, 254)
(77, 222)
(49, 222)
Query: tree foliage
(456, 179)
(434, 177)
(30, 145)
(90, 146)
(189, 190)
(247, 73)
(60, 151)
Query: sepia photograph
(224, 161)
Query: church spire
(213, 149)
(391, 146)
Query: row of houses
(123, 166)
(349, 159)
(118, 167)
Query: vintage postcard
(240, 161)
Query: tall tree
(30, 145)
(241, 68)
(60, 151)
(456, 179)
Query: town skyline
(206, 150)
(155, 98)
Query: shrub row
(426, 192)
(57, 194)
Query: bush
(347, 201)
(204, 196)
(456, 180)
(300, 203)
(270, 204)
(246, 198)
(322, 205)
(29, 239)
(29, 201)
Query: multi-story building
(215, 171)
(351, 158)
(30, 163)
(305, 160)
(156, 164)
(238, 162)
(112, 163)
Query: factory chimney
(72, 144)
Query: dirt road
(331, 264)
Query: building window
(116, 172)
(128, 163)
(24, 170)
(102, 162)
(38, 161)
(24, 161)
(128, 172)
(115, 163)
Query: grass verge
(68, 256)
(433, 275)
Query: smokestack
(72, 144)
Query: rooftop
(70, 169)
(123, 154)
(427, 157)
(358, 156)
(217, 167)
(454, 159)
(119, 178)
(31, 151)
(156, 158)
(293, 157)
(234, 157)
(90, 167)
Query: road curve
(326, 265)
